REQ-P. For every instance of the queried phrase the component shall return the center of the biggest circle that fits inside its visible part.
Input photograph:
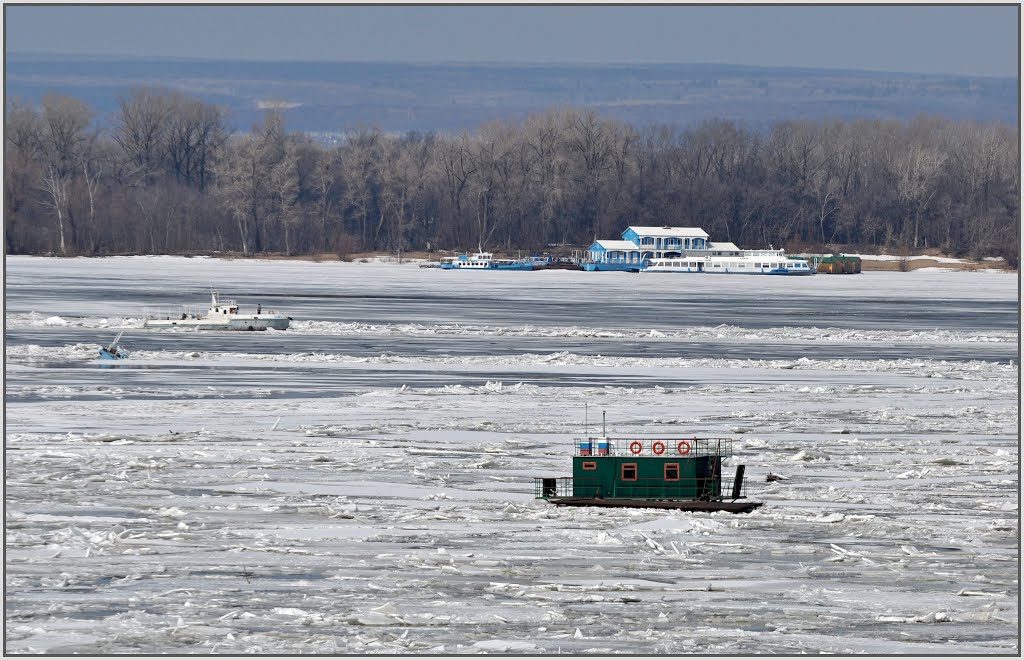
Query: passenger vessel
(743, 262)
(484, 261)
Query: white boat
(731, 261)
(221, 315)
(484, 261)
(477, 261)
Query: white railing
(663, 447)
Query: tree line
(168, 176)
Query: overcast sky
(968, 40)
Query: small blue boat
(113, 351)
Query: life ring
(658, 447)
(683, 447)
(636, 447)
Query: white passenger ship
(478, 261)
(737, 262)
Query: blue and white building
(613, 255)
(658, 242)
(640, 244)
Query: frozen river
(362, 482)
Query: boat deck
(682, 505)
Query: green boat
(662, 473)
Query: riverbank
(902, 264)
(882, 262)
(869, 262)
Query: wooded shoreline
(170, 178)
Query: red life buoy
(658, 447)
(636, 447)
(683, 447)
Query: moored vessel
(481, 260)
(736, 262)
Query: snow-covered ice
(249, 493)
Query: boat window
(629, 471)
(589, 465)
(671, 471)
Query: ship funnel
(737, 486)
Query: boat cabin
(228, 308)
(667, 472)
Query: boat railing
(171, 312)
(544, 487)
(658, 447)
(710, 487)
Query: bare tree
(545, 138)
(917, 174)
(141, 130)
(92, 169)
(65, 120)
(283, 184)
(361, 162)
(240, 188)
(194, 133)
(325, 180)
(56, 184)
(23, 132)
(457, 168)
(590, 141)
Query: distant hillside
(333, 97)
